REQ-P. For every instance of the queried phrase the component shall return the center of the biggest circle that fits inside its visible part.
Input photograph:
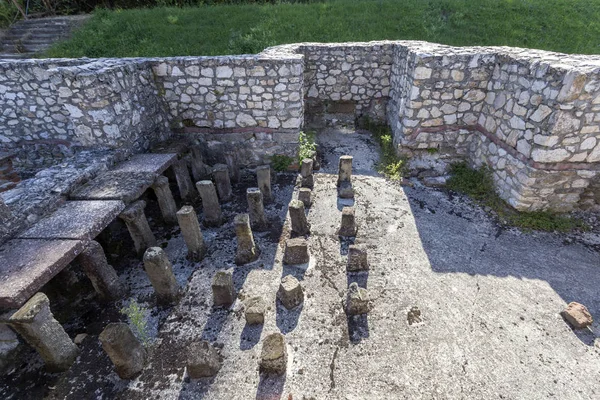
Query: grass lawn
(570, 26)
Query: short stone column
(166, 202)
(35, 322)
(344, 183)
(138, 227)
(103, 276)
(223, 289)
(305, 196)
(306, 173)
(124, 350)
(256, 209)
(254, 310)
(357, 300)
(184, 181)
(246, 248)
(298, 219)
(222, 181)
(273, 357)
(210, 203)
(232, 164)
(199, 169)
(290, 292)
(357, 258)
(296, 251)
(203, 360)
(263, 178)
(192, 235)
(348, 227)
(160, 272)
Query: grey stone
(247, 251)
(273, 357)
(256, 209)
(254, 310)
(346, 190)
(296, 251)
(203, 360)
(160, 272)
(149, 162)
(345, 170)
(290, 292)
(103, 276)
(305, 196)
(138, 227)
(357, 300)
(263, 178)
(306, 173)
(184, 181)
(357, 258)
(200, 171)
(348, 227)
(36, 324)
(232, 165)
(192, 235)
(414, 317)
(223, 289)
(125, 186)
(222, 181)
(211, 208)
(166, 202)
(299, 223)
(124, 350)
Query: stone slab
(150, 162)
(26, 265)
(82, 220)
(114, 185)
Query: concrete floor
(490, 300)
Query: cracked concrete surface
(489, 299)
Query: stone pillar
(296, 251)
(306, 173)
(348, 227)
(160, 272)
(190, 230)
(165, 199)
(184, 181)
(273, 357)
(357, 258)
(103, 276)
(203, 360)
(210, 203)
(199, 169)
(222, 182)
(263, 178)
(124, 349)
(357, 300)
(138, 227)
(344, 183)
(223, 289)
(256, 209)
(290, 292)
(254, 310)
(246, 248)
(35, 322)
(305, 196)
(298, 220)
(232, 164)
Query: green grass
(389, 165)
(571, 26)
(478, 185)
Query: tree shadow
(270, 387)
(287, 320)
(250, 336)
(193, 389)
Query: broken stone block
(345, 170)
(210, 203)
(255, 310)
(223, 289)
(298, 219)
(263, 178)
(348, 228)
(357, 258)
(104, 278)
(256, 209)
(357, 300)
(124, 350)
(166, 202)
(138, 227)
(246, 251)
(296, 251)
(184, 180)
(160, 272)
(192, 235)
(203, 360)
(273, 358)
(222, 181)
(306, 173)
(577, 315)
(36, 324)
(232, 164)
(290, 292)
(305, 196)
(414, 316)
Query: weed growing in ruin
(479, 185)
(308, 145)
(137, 317)
(390, 164)
(281, 162)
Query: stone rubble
(223, 289)
(160, 272)
(203, 360)
(124, 350)
(254, 310)
(290, 292)
(358, 301)
(357, 258)
(577, 315)
(296, 251)
(273, 356)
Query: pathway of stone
(457, 307)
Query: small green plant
(308, 146)
(172, 19)
(281, 162)
(390, 164)
(137, 317)
(433, 150)
(479, 185)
